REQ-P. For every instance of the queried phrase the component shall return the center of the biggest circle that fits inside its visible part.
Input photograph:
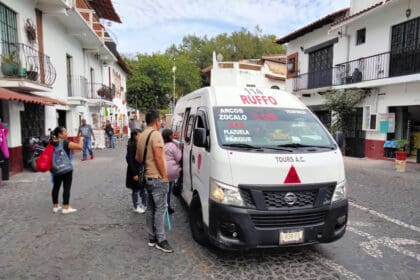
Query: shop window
(8, 28)
(369, 119)
(361, 36)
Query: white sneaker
(56, 209)
(140, 210)
(68, 210)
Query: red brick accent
(81, 4)
(15, 160)
(86, 16)
(374, 149)
(97, 26)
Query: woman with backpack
(173, 157)
(132, 178)
(59, 141)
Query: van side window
(189, 128)
(201, 122)
(184, 125)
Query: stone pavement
(105, 239)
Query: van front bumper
(239, 228)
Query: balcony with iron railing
(79, 86)
(375, 67)
(23, 62)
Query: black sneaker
(152, 242)
(164, 246)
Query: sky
(150, 26)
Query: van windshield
(275, 128)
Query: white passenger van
(259, 169)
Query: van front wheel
(196, 221)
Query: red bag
(44, 161)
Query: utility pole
(173, 96)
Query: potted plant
(8, 64)
(31, 73)
(401, 155)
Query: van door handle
(193, 159)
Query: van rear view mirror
(339, 138)
(199, 137)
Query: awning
(8, 94)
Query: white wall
(378, 29)
(358, 5)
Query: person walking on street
(157, 184)
(109, 131)
(173, 157)
(59, 134)
(86, 131)
(132, 178)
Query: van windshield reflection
(270, 128)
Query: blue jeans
(156, 208)
(111, 140)
(135, 197)
(87, 145)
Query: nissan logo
(290, 198)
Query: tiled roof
(358, 13)
(314, 25)
(105, 9)
(8, 94)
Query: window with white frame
(369, 119)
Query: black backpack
(61, 162)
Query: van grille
(247, 197)
(304, 199)
(308, 196)
(268, 220)
(328, 195)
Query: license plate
(291, 236)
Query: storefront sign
(387, 123)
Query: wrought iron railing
(25, 62)
(379, 66)
(79, 86)
(100, 91)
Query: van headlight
(340, 192)
(225, 194)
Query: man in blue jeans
(157, 184)
(86, 131)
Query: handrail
(374, 67)
(28, 63)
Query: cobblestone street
(105, 239)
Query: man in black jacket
(109, 131)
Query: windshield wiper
(241, 145)
(297, 145)
(277, 148)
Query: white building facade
(61, 71)
(373, 45)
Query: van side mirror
(339, 138)
(199, 137)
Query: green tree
(341, 104)
(151, 85)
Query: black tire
(196, 221)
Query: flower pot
(400, 160)
(9, 69)
(32, 75)
(401, 155)
(21, 72)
